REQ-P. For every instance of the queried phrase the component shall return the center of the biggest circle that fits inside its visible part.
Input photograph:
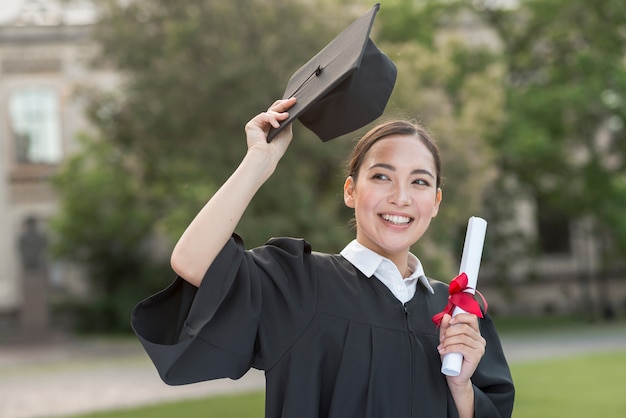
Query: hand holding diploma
(462, 288)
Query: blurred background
(119, 119)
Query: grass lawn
(587, 386)
(576, 387)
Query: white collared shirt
(372, 264)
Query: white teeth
(398, 220)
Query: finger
(274, 118)
(470, 340)
(469, 348)
(465, 318)
(445, 324)
(460, 342)
(275, 104)
(461, 329)
(282, 105)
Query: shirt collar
(368, 261)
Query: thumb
(445, 324)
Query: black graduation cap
(344, 87)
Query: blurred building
(45, 62)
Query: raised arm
(209, 231)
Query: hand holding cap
(344, 87)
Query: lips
(396, 219)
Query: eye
(421, 182)
(379, 176)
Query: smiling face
(394, 194)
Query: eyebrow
(392, 168)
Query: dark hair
(394, 127)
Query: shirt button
(400, 287)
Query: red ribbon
(458, 297)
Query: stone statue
(33, 245)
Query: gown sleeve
(494, 391)
(214, 331)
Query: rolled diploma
(470, 264)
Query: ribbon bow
(458, 297)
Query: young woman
(338, 335)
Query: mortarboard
(344, 87)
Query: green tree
(194, 72)
(456, 89)
(105, 226)
(563, 144)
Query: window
(34, 116)
(554, 231)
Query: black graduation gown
(332, 342)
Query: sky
(8, 8)
(77, 12)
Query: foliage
(104, 224)
(194, 72)
(456, 90)
(443, 86)
(563, 143)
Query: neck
(402, 263)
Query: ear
(438, 199)
(348, 192)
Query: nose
(400, 196)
